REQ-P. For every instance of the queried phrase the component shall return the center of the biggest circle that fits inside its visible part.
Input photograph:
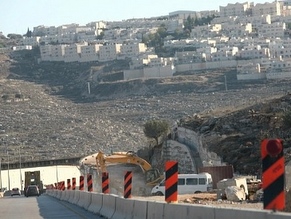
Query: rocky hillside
(47, 112)
(236, 136)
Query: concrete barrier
(123, 208)
(55, 193)
(96, 203)
(108, 206)
(140, 209)
(71, 196)
(85, 199)
(156, 210)
(239, 213)
(112, 206)
(65, 195)
(188, 211)
(76, 197)
(59, 194)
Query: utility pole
(225, 82)
(8, 172)
(20, 167)
(0, 174)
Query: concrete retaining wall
(112, 206)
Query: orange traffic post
(81, 185)
(89, 183)
(63, 186)
(73, 183)
(273, 174)
(105, 182)
(127, 184)
(171, 182)
(68, 184)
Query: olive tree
(156, 129)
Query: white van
(188, 184)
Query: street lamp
(0, 174)
(20, 168)
(8, 171)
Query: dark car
(15, 191)
(32, 190)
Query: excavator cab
(153, 177)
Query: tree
(28, 33)
(156, 129)
(14, 36)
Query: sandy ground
(207, 199)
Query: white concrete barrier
(85, 199)
(140, 209)
(65, 195)
(188, 211)
(156, 210)
(114, 207)
(240, 213)
(96, 203)
(59, 194)
(76, 197)
(70, 197)
(108, 206)
(123, 208)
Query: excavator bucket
(153, 177)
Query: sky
(18, 15)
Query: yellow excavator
(152, 175)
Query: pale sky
(16, 16)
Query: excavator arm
(152, 175)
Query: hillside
(47, 112)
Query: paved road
(42, 207)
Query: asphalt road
(42, 207)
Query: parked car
(15, 191)
(32, 190)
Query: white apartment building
(25, 47)
(256, 21)
(206, 52)
(253, 52)
(206, 31)
(86, 36)
(90, 52)
(272, 30)
(52, 52)
(67, 29)
(73, 52)
(237, 9)
(109, 52)
(273, 8)
(221, 20)
(160, 61)
(58, 39)
(181, 43)
(141, 61)
(224, 54)
(132, 49)
(248, 68)
(44, 31)
(237, 30)
(186, 57)
(32, 41)
(280, 49)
